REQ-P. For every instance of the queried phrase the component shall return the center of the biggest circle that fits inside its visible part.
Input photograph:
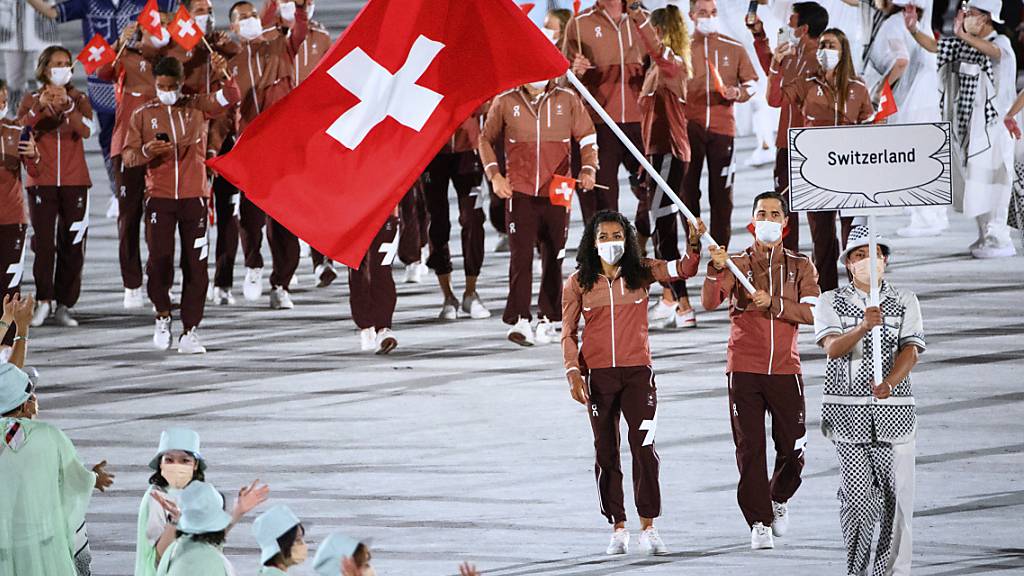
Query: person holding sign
(977, 74)
(536, 123)
(763, 363)
(611, 372)
(871, 421)
(832, 96)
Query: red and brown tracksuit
(821, 106)
(537, 137)
(615, 360)
(458, 163)
(711, 125)
(13, 215)
(664, 132)
(177, 195)
(616, 52)
(763, 365)
(265, 73)
(414, 223)
(372, 295)
(800, 64)
(59, 194)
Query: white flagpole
(706, 239)
(873, 300)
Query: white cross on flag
(183, 29)
(149, 18)
(96, 54)
(561, 190)
(332, 159)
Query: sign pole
(706, 239)
(873, 300)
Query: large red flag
(332, 159)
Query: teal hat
(202, 509)
(14, 386)
(181, 439)
(270, 526)
(336, 546)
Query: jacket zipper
(58, 158)
(611, 300)
(252, 79)
(707, 86)
(174, 138)
(771, 319)
(622, 71)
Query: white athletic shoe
(43, 311)
(651, 542)
(450, 310)
(521, 333)
(619, 543)
(133, 298)
(188, 343)
(761, 156)
(992, 250)
(252, 287)
(545, 332)
(414, 273)
(687, 319)
(386, 341)
(112, 208)
(761, 537)
(661, 314)
(325, 274)
(295, 283)
(64, 318)
(780, 525)
(473, 307)
(280, 299)
(223, 297)
(367, 339)
(162, 333)
(303, 249)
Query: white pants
(904, 456)
(16, 66)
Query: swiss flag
(886, 104)
(149, 19)
(717, 79)
(333, 158)
(576, 7)
(96, 54)
(184, 29)
(561, 191)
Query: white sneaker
(386, 341)
(619, 543)
(304, 249)
(780, 525)
(325, 275)
(43, 311)
(252, 287)
(687, 319)
(502, 245)
(661, 314)
(474, 307)
(450, 310)
(112, 208)
(521, 333)
(367, 339)
(280, 300)
(133, 298)
(989, 250)
(761, 537)
(162, 333)
(761, 156)
(223, 297)
(414, 273)
(188, 343)
(545, 332)
(651, 542)
(295, 283)
(64, 318)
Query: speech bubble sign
(870, 166)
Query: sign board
(869, 166)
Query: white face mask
(707, 25)
(168, 98)
(287, 11)
(205, 22)
(539, 85)
(861, 270)
(828, 58)
(767, 231)
(177, 475)
(3, 111)
(309, 10)
(163, 40)
(551, 34)
(60, 76)
(611, 252)
(250, 28)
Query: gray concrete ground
(460, 446)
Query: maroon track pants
(372, 295)
(533, 221)
(12, 267)
(414, 224)
(60, 226)
(187, 217)
(131, 192)
(611, 153)
(462, 171)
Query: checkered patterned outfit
(862, 428)
(953, 51)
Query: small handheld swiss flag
(886, 104)
(526, 7)
(184, 30)
(96, 54)
(561, 191)
(149, 19)
(717, 79)
(576, 7)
